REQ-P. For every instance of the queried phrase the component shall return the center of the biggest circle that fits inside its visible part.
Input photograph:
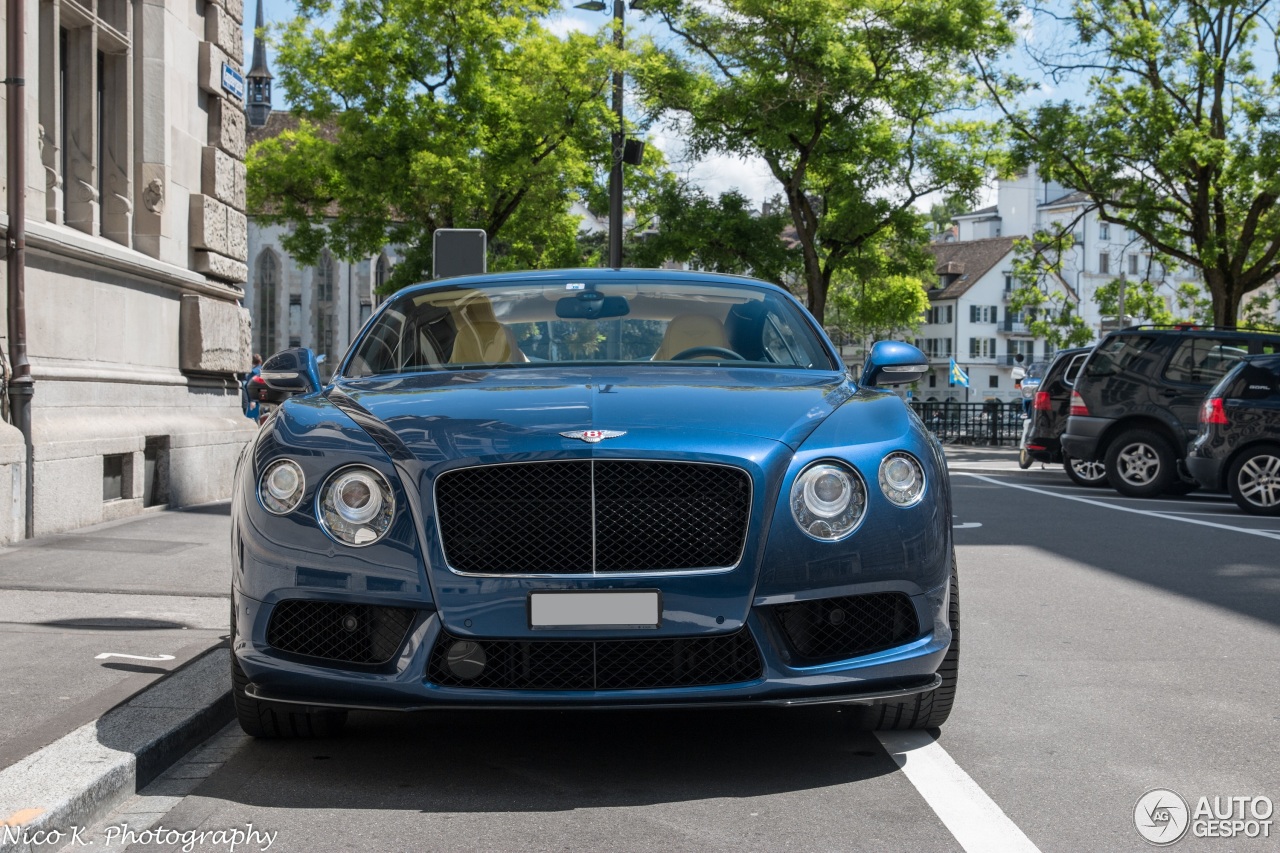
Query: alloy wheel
(1094, 472)
(1138, 464)
(1259, 481)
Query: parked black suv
(1049, 418)
(1137, 398)
(1239, 439)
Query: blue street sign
(232, 82)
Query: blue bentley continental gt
(592, 488)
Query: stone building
(136, 241)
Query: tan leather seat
(691, 330)
(481, 339)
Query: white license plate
(641, 609)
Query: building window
(1104, 263)
(982, 347)
(1133, 265)
(266, 286)
(86, 116)
(993, 381)
(323, 315)
(933, 380)
(1104, 231)
(1008, 283)
(983, 313)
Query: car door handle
(1170, 392)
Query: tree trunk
(806, 231)
(1226, 295)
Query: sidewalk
(988, 459)
(95, 620)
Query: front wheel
(1140, 464)
(926, 710)
(1024, 458)
(1254, 480)
(1083, 473)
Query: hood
(783, 406)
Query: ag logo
(1161, 817)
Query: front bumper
(1081, 439)
(404, 685)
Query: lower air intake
(829, 629)
(594, 664)
(348, 633)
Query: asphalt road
(1112, 646)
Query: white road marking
(1150, 513)
(967, 525)
(106, 655)
(964, 808)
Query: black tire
(1141, 464)
(1254, 480)
(265, 720)
(1091, 474)
(1024, 458)
(927, 710)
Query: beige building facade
(136, 250)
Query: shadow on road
(483, 761)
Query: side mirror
(893, 363)
(293, 370)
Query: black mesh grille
(325, 629)
(601, 664)
(834, 628)
(537, 518)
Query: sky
(715, 174)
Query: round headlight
(828, 501)
(902, 479)
(356, 506)
(281, 487)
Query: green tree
(1177, 136)
(426, 114)
(1262, 311)
(719, 235)
(943, 213)
(850, 103)
(878, 309)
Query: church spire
(259, 77)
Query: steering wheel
(694, 352)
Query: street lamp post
(618, 138)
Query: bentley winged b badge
(591, 436)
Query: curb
(83, 776)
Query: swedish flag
(958, 376)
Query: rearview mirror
(893, 363)
(590, 305)
(293, 370)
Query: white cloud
(715, 173)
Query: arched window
(325, 319)
(266, 286)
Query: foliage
(1177, 136)
(875, 310)
(1262, 311)
(851, 103)
(425, 114)
(718, 235)
(943, 213)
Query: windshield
(565, 322)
